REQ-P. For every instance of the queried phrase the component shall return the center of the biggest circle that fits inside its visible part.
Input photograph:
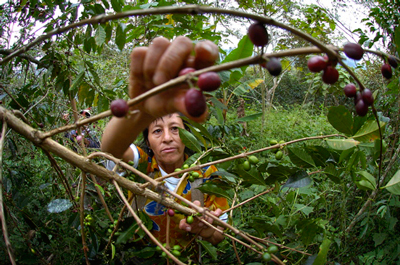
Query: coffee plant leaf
(59, 205)
(341, 119)
(369, 131)
(189, 140)
(298, 180)
(301, 158)
(342, 144)
(393, 186)
(209, 248)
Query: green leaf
(59, 205)
(200, 127)
(300, 158)
(367, 181)
(250, 117)
(342, 144)
(244, 49)
(120, 36)
(252, 176)
(77, 81)
(112, 251)
(323, 252)
(127, 234)
(304, 208)
(341, 119)
(232, 178)
(379, 238)
(209, 248)
(189, 140)
(298, 180)
(100, 35)
(93, 72)
(116, 5)
(397, 38)
(213, 189)
(393, 186)
(332, 173)
(308, 233)
(369, 132)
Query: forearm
(121, 132)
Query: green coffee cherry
(177, 247)
(279, 155)
(253, 160)
(191, 178)
(272, 249)
(195, 174)
(266, 256)
(189, 219)
(273, 142)
(246, 165)
(176, 253)
(185, 166)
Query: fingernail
(188, 228)
(201, 224)
(208, 47)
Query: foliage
(320, 183)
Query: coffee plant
(327, 196)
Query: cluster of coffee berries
(318, 63)
(175, 250)
(193, 175)
(195, 101)
(111, 228)
(119, 108)
(88, 221)
(271, 250)
(251, 160)
(386, 68)
(278, 152)
(362, 100)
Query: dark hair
(144, 144)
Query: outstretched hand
(162, 61)
(197, 227)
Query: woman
(152, 66)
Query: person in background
(159, 119)
(88, 136)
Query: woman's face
(165, 142)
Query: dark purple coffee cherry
(386, 71)
(317, 64)
(361, 108)
(330, 75)
(274, 66)
(392, 61)
(209, 81)
(353, 51)
(258, 34)
(119, 108)
(195, 102)
(367, 97)
(350, 90)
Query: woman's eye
(157, 131)
(175, 129)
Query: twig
(248, 200)
(141, 225)
(2, 216)
(280, 245)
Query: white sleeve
(136, 157)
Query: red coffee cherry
(195, 102)
(386, 71)
(367, 97)
(317, 64)
(186, 71)
(392, 61)
(119, 108)
(330, 75)
(209, 81)
(350, 90)
(274, 66)
(357, 97)
(171, 212)
(41, 125)
(361, 108)
(353, 51)
(258, 34)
